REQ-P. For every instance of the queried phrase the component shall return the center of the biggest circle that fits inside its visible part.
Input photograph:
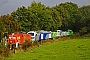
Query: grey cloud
(88, 1)
(2, 2)
(7, 6)
(54, 2)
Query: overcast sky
(7, 6)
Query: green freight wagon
(54, 34)
(70, 32)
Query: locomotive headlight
(10, 41)
(18, 38)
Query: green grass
(74, 49)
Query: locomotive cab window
(31, 34)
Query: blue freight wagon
(43, 35)
(39, 35)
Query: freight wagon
(40, 35)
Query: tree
(85, 19)
(21, 16)
(8, 24)
(73, 13)
(63, 15)
(57, 18)
(40, 16)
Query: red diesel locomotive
(18, 37)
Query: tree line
(37, 16)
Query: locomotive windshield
(31, 34)
(18, 32)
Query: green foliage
(40, 17)
(21, 16)
(57, 18)
(70, 22)
(85, 19)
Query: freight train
(19, 37)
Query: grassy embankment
(73, 49)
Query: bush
(83, 31)
(26, 44)
(4, 51)
(36, 43)
(87, 35)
